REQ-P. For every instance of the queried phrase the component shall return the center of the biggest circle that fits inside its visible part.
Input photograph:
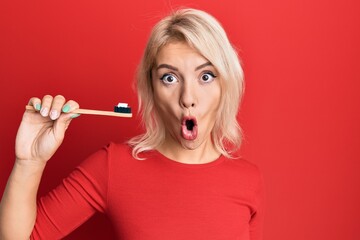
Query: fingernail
(44, 112)
(75, 115)
(38, 106)
(66, 108)
(54, 114)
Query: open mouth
(189, 124)
(189, 128)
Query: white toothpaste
(124, 105)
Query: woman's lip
(189, 134)
(187, 118)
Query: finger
(70, 106)
(46, 105)
(56, 106)
(65, 119)
(35, 102)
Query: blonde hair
(205, 34)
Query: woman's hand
(42, 130)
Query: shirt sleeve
(257, 218)
(75, 200)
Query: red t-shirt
(156, 198)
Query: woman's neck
(205, 152)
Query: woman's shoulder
(242, 162)
(117, 150)
(245, 167)
(116, 146)
(248, 173)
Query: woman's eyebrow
(167, 66)
(203, 65)
(175, 69)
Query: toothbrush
(121, 110)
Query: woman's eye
(208, 77)
(168, 78)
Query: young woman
(179, 180)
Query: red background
(300, 114)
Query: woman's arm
(18, 205)
(40, 134)
(257, 219)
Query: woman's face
(187, 94)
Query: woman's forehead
(180, 53)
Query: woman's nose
(188, 96)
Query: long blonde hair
(205, 34)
